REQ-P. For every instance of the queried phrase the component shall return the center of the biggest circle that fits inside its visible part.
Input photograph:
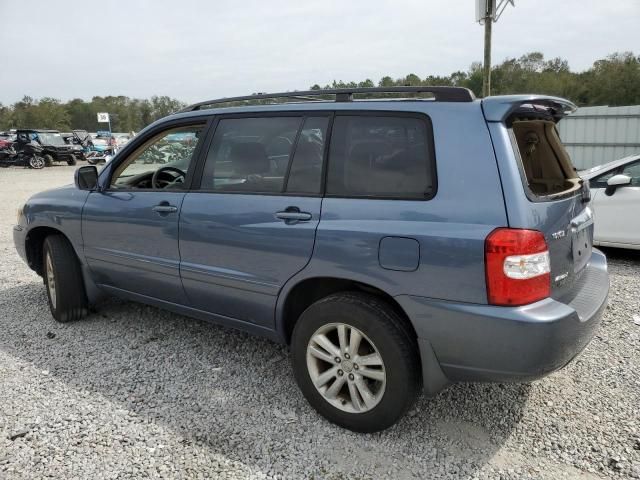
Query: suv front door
(251, 225)
(130, 229)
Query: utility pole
(487, 12)
(486, 66)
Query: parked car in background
(6, 139)
(121, 139)
(54, 148)
(30, 155)
(100, 150)
(81, 140)
(387, 253)
(615, 199)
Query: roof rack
(440, 94)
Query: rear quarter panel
(450, 228)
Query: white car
(615, 200)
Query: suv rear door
(251, 225)
(541, 187)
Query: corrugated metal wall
(597, 135)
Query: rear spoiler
(498, 109)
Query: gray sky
(195, 50)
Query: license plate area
(581, 239)
(581, 245)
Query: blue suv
(396, 244)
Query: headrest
(249, 158)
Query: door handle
(164, 208)
(293, 215)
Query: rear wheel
(72, 160)
(355, 361)
(48, 160)
(63, 280)
(36, 162)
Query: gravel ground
(135, 392)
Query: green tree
(614, 80)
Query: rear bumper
(474, 342)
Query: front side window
(633, 170)
(381, 156)
(601, 180)
(162, 162)
(250, 154)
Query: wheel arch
(302, 294)
(294, 300)
(34, 243)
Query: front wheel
(63, 280)
(356, 361)
(72, 160)
(36, 162)
(48, 160)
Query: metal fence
(597, 135)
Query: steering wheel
(156, 176)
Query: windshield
(51, 139)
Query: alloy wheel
(346, 368)
(51, 281)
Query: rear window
(381, 156)
(546, 164)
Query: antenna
(492, 8)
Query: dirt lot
(135, 392)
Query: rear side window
(545, 162)
(381, 156)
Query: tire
(48, 160)
(72, 160)
(36, 162)
(63, 280)
(398, 376)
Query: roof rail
(440, 94)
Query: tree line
(614, 80)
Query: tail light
(517, 267)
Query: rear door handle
(293, 215)
(165, 208)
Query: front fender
(59, 209)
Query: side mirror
(619, 180)
(616, 181)
(86, 178)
